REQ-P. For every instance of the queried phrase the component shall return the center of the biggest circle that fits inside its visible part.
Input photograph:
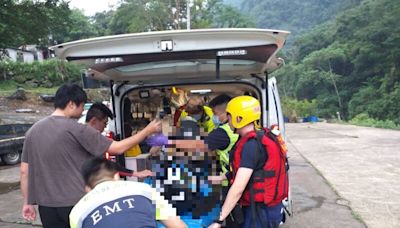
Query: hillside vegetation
(297, 16)
(349, 65)
(342, 58)
(46, 74)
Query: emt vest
(120, 204)
(223, 155)
(269, 181)
(206, 120)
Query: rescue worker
(248, 170)
(111, 202)
(222, 139)
(197, 110)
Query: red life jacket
(269, 181)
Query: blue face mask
(216, 120)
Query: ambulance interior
(141, 106)
(187, 189)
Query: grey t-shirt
(55, 149)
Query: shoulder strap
(261, 151)
(274, 138)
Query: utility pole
(188, 14)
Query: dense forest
(349, 65)
(297, 16)
(342, 58)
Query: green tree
(101, 22)
(329, 62)
(79, 27)
(139, 16)
(319, 37)
(230, 17)
(31, 22)
(156, 15)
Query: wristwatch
(218, 221)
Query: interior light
(144, 94)
(201, 91)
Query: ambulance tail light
(110, 135)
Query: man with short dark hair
(97, 116)
(222, 139)
(114, 203)
(53, 153)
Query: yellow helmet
(246, 107)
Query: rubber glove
(157, 139)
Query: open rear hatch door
(183, 54)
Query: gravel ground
(8, 107)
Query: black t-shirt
(217, 139)
(248, 157)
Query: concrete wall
(27, 56)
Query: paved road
(16, 225)
(361, 164)
(341, 176)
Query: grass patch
(8, 87)
(357, 217)
(363, 119)
(41, 90)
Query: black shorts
(55, 217)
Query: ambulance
(151, 75)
